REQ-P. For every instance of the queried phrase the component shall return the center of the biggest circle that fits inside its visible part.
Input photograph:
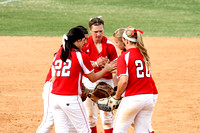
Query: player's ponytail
(73, 35)
(135, 37)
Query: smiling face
(97, 33)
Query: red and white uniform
(137, 103)
(155, 96)
(108, 50)
(66, 102)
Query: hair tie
(63, 41)
(141, 31)
(91, 19)
(135, 32)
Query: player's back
(139, 81)
(68, 74)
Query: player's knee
(107, 125)
(92, 121)
(92, 124)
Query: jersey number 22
(65, 70)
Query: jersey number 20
(140, 70)
(65, 71)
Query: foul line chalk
(7, 1)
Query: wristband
(96, 64)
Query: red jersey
(108, 49)
(124, 50)
(68, 75)
(131, 63)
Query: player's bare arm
(109, 67)
(101, 61)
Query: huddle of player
(92, 59)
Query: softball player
(118, 35)
(67, 70)
(99, 50)
(47, 124)
(135, 85)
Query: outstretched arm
(109, 67)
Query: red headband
(135, 31)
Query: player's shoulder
(107, 41)
(135, 53)
(124, 56)
(57, 55)
(83, 54)
(59, 51)
(110, 44)
(121, 55)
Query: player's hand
(101, 61)
(110, 66)
(114, 71)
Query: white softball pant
(155, 97)
(136, 109)
(69, 110)
(91, 107)
(47, 123)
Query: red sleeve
(112, 52)
(87, 66)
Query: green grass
(178, 18)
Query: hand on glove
(108, 104)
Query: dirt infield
(25, 62)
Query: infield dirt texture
(25, 62)
(171, 35)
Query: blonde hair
(119, 33)
(139, 44)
